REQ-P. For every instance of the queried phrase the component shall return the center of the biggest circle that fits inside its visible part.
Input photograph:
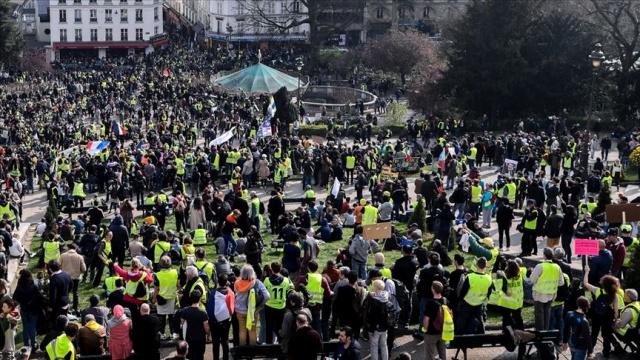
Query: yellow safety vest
(167, 280)
(567, 282)
(51, 251)
(476, 194)
(110, 283)
(310, 194)
(634, 307)
(532, 224)
(7, 210)
(200, 237)
(447, 324)
(132, 286)
(78, 190)
(278, 298)
(512, 192)
(160, 248)
(314, 286)
(479, 285)
(370, 215)
(351, 162)
(203, 289)
(106, 252)
(514, 301)
(472, 153)
(60, 347)
(548, 281)
(495, 294)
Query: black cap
(612, 231)
(374, 273)
(593, 224)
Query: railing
(346, 95)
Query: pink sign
(587, 247)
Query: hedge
(321, 129)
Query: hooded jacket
(376, 311)
(120, 233)
(242, 288)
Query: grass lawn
(328, 251)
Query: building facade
(105, 28)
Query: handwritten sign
(376, 231)
(587, 247)
(388, 173)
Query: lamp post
(230, 31)
(299, 66)
(596, 57)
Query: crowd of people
(159, 126)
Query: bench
(275, 351)
(70, 210)
(465, 342)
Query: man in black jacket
(59, 285)
(120, 240)
(275, 207)
(404, 269)
(146, 341)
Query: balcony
(78, 20)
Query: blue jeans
(423, 304)
(228, 239)
(306, 180)
(557, 322)
(316, 321)
(460, 207)
(577, 354)
(360, 268)
(29, 322)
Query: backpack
(601, 306)
(189, 260)
(542, 219)
(563, 292)
(220, 309)
(390, 319)
(358, 299)
(438, 321)
(202, 274)
(181, 206)
(402, 294)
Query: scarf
(251, 308)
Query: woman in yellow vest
(51, 248)
(62, 347)
(511, 296)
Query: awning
(198, 27)
(255, 38)
(100, 45)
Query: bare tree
(324, 18)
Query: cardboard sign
(376, 231)
(587, 247)
(388, 173)
(614, 213)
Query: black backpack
(390, 315)
(564, 292)
(601, 306)
(402, 294)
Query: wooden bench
(275, 351)
(464, 342)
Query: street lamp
(230, 31)
(596, 57)
(299, 66)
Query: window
(77, 1)
(77, 15)
(94, 34)
(62, 1)
(283, 7)
(93, 15)
(427, 12)
(124, 35)
(138, 1)
(138, 34)
(380, 13)
(295, 7)
(155, 30)
(63, 34)
(93, 1)
(124, 16)
(108, 34)
(78, 34)
(138, 15)
(401, 13)
(63, 16)
(108, 15)
(156, 13)
(123, 1)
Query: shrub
(313, 129)
(419, 216)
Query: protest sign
(376, 231)
(586, 247)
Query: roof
(258, 78)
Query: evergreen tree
(51, 215)
(632, 275)
(11, 40)
(419, 216)
(604, 199)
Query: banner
(511, 165)
(94, 147)
(265, 129)
(222, 138)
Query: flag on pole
(336, 188)
(54, 169)
(271, 110)
(118, 129)
(222, 138)
(265, 129)
(441, 159)
(94, 147)
(142, 145)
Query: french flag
(118, 129)
(441, 159)
(94, 147)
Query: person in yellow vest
(202, 265)
(62, 347)
(236, 180)
(350, 165)
(379, 264)
(626, 327)
(165, 284)
(51, 247)
(103, 258)
(112, 283)
(630, 243)
(78, 193)
(369, 214)
(12, 211)
(318, 288)
(160, 247)
(436, 339)
(254, 212)
(529, 228)
(471, 159)
(200, 235)
(511, 296)
(275, 308)
(194, 282)
(283, 168)
(476, 198)
(546, 278)
(482, 248)
(474, 292)
(136, 291)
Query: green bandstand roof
(258, 78)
